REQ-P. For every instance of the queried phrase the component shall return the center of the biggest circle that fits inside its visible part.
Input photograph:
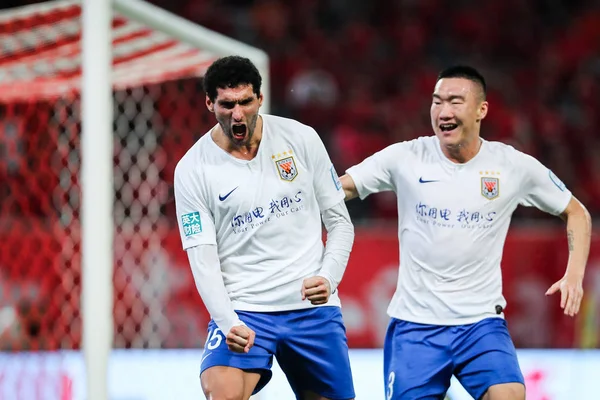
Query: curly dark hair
(230, 72)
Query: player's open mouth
(447, 128)
(239, 131)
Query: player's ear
(210, 105)
(482, 111)
(260, 99)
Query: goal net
(158, 61)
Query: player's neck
(463, 152)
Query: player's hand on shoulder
(240, 339)
(571, 293)
(316, 289)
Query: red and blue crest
(287, 168)
(490, 188)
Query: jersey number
(214, 339)
(390, 388)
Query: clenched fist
(240, 339)
(316, 289)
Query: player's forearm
(579, 231)
(204, 261)
(340, 237)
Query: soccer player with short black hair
(456, 194)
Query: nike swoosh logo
(227, 195)
(421, 180)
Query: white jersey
(264, 215)
(452, 223)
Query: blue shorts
(310, 346)
(419, 359)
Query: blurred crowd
(362, 73)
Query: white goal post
(97, 195)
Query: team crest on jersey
(286, 167)
(490, 188)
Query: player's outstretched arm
(206, 268)
(349, 187)
(579, 233)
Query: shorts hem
(499, 381)
(265, 372)
(332, 396)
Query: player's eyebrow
(449, 98)
(231, 103)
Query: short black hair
(466, 72)
(230, 72)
